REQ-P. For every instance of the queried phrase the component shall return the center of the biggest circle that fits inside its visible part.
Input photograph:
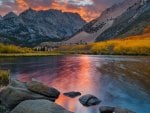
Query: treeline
(13, 49)
(128, 46)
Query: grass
(4, 77)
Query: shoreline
(59, 54)
(28, 54)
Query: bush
(4, 77)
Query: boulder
(17, 84)
(38, 106)
(108, 109)
(89, 100)
(72, 94)
(11, 96)
(40, 88)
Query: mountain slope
(95, 28)
(32, 27)
(132, 22)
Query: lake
(117, 80)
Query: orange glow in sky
(83, 11)
(88, 9)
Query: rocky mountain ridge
(129, 11)
(130, 23)
(32, 27)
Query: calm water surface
(117, 80)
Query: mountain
(32, 27)
(114, 22)
(130, 23)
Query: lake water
(117, 80)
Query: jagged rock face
(95, 28)
(132, 22)
(31, 26)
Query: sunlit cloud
(88, 9)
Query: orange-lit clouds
(84, 11)
(88, 9)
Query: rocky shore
(36, 97)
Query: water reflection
(117, 81)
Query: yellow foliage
(129, 46)
(13, 49)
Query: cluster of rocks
(30, 97)
(35, 97)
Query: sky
(88, 9)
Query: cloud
(88, 9)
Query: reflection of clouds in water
(111, 78)
(75, 75)
(70, 74)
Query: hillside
(32, 27)
(130, 23)
(93, 30)
(132, 45)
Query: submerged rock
(11, 96)
(121, 110)
(72, 94)
(38, 106)
(89, 100)
(40, 88)
(108, 109)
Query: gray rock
(108, 109)
(40, 88)
(89, 100)
(11, 96)
(72, 94)
(38, 106)
(17, 84)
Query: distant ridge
(33, 27)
